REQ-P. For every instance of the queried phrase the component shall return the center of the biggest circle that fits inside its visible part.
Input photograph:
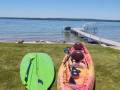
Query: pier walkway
(79, 31)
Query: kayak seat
(77, 55)
(78, 46)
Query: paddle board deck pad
(37, 71)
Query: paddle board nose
(37, 71)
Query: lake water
(52, 30)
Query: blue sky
(98, 9)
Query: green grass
(106, 61)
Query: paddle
(37, 73)
(66, 51)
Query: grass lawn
(106, 61)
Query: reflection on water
(71, 37)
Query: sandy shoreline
(114, 47)
(38, 42)
(55, 42)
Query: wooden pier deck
(95, 38)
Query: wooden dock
(90, 37)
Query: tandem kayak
(37, 71)
(76, 74)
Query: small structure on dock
(67, 29)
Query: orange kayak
(85, 80)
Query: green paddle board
(37, 71)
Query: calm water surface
(51, 30)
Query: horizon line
(61, 18)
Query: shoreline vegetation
(62, 19)
(106, 62)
